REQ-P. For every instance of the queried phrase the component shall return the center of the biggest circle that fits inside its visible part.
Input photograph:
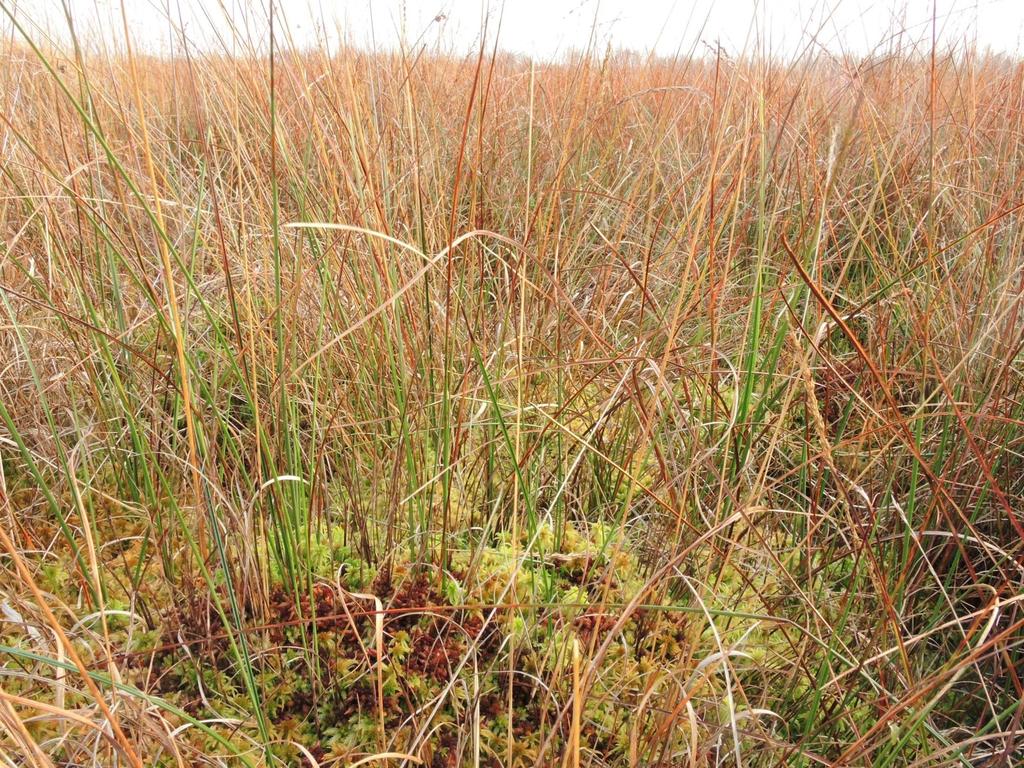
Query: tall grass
(662, 411)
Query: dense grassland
(474, 411)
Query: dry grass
(339, 391)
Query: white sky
(546, 28)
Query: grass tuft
(360, 407)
